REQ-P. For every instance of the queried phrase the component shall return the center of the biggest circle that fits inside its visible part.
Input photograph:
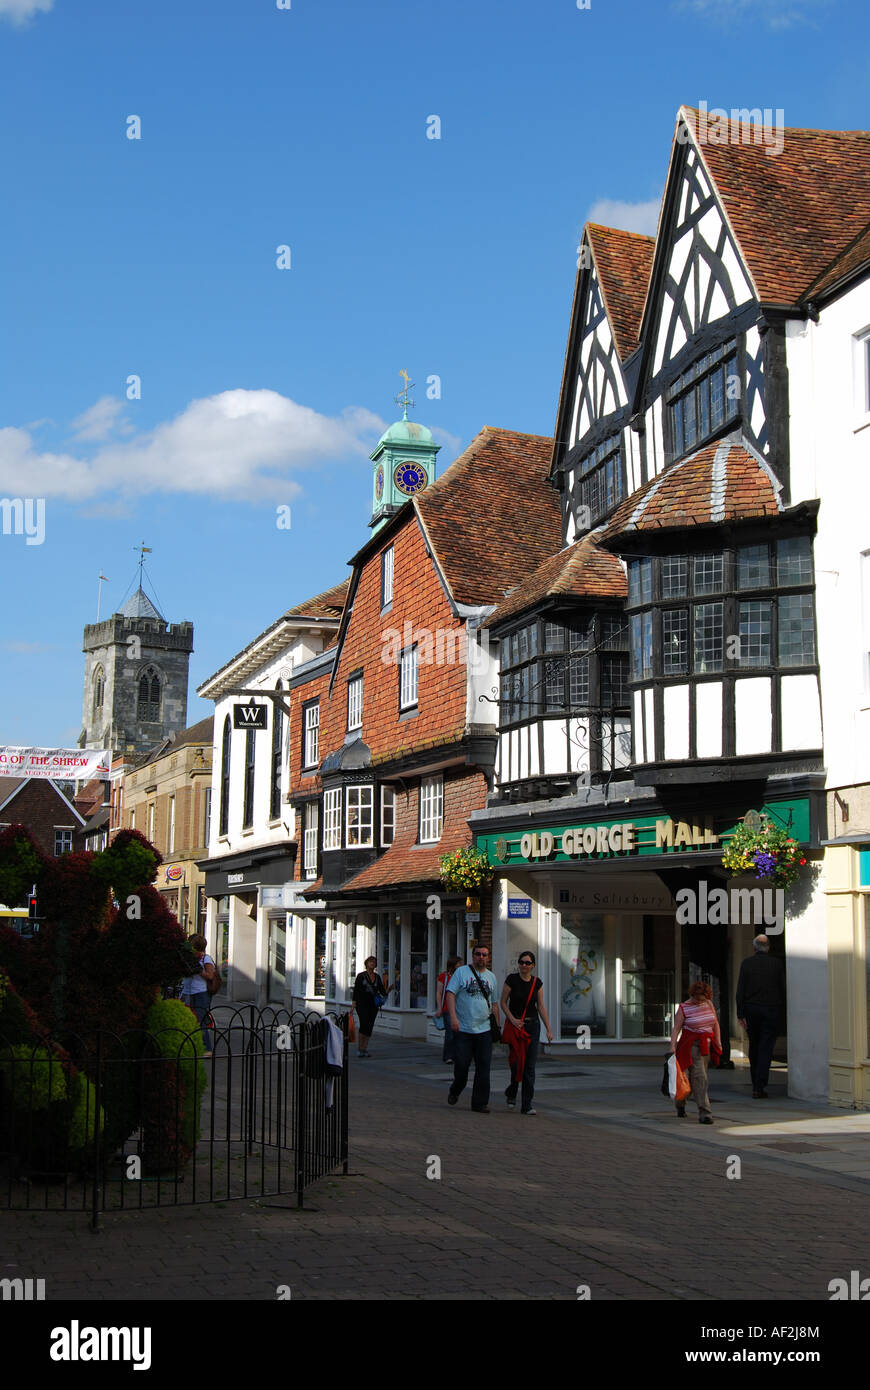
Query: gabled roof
(724, 481)
(623, 262)
(492, 516)
(579, 571)
(196, 733)
(794, 210)
(329, 604)
(11, 786)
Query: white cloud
(629, 217)
(100, 420)
(776, 14)
(450, 443)
(238, 444)
(19, 11)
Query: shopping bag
(678, 1084)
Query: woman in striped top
(697, 1028)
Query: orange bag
(683, 1087)
(351, 1027)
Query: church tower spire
(136, 675)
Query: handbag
(494, 1030)
(509, 1028)
(439, 1021)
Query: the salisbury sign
(67, 763)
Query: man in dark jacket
(760, 1000)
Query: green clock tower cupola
(404, 460)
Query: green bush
(33, 1078)
(82, 1122)
(175, 1082)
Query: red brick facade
(41, 809)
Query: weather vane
(402, 398)
(143, 551)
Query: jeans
(448, 1052)
(199, 1004)
(762, 1025)
(533, 1028)
(478, 1046)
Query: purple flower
(765, 864)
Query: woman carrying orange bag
(697, 1027)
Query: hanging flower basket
(465, 871)
(767, 852)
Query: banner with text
(68, 763)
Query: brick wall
(38, 807)
(418, 599)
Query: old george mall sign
(642, 836)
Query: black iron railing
(140, 1120)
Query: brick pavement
(604, 1187)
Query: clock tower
(404, 460)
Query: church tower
(404, 460)
(136, 675)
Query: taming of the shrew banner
(78, 763)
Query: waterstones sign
(643, 836)
(78, 763)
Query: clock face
(379, 482)
(410, 478)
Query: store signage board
(82, 764)
(272, 897)
(249, 716)
(519, 907)
(630, 839)
(235, 878)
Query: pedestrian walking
(453, 962)
(369, 997)
(194, 990)
(697, 1027)
(760, 1001)
(522, 1003)
(471, 1003)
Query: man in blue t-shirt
(470, 997)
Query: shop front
(247, 923)
(625, 912)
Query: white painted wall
(830, 459)
(752, 715)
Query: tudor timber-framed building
(693, 442)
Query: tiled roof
(623, 261)
(580, 570)
(408, 862)
(724, 481)
(196, 733)
(139, 605)
(492, 516)
(855, 256)
(793, 211)
(329, 604)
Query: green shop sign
(635, 838)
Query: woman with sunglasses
(522, 1001)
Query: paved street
(604, 1187)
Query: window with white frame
(312, 735)
(408, 679)
(431, 809)
(359, 812)
(151, 822)
(354, 702)
(387, 562)
(206, 834)
(332, 819)
(388, 815)
(171, 843)
(309, 848)
(63, 840)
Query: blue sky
(306, 127)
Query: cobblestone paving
(603, 1187)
